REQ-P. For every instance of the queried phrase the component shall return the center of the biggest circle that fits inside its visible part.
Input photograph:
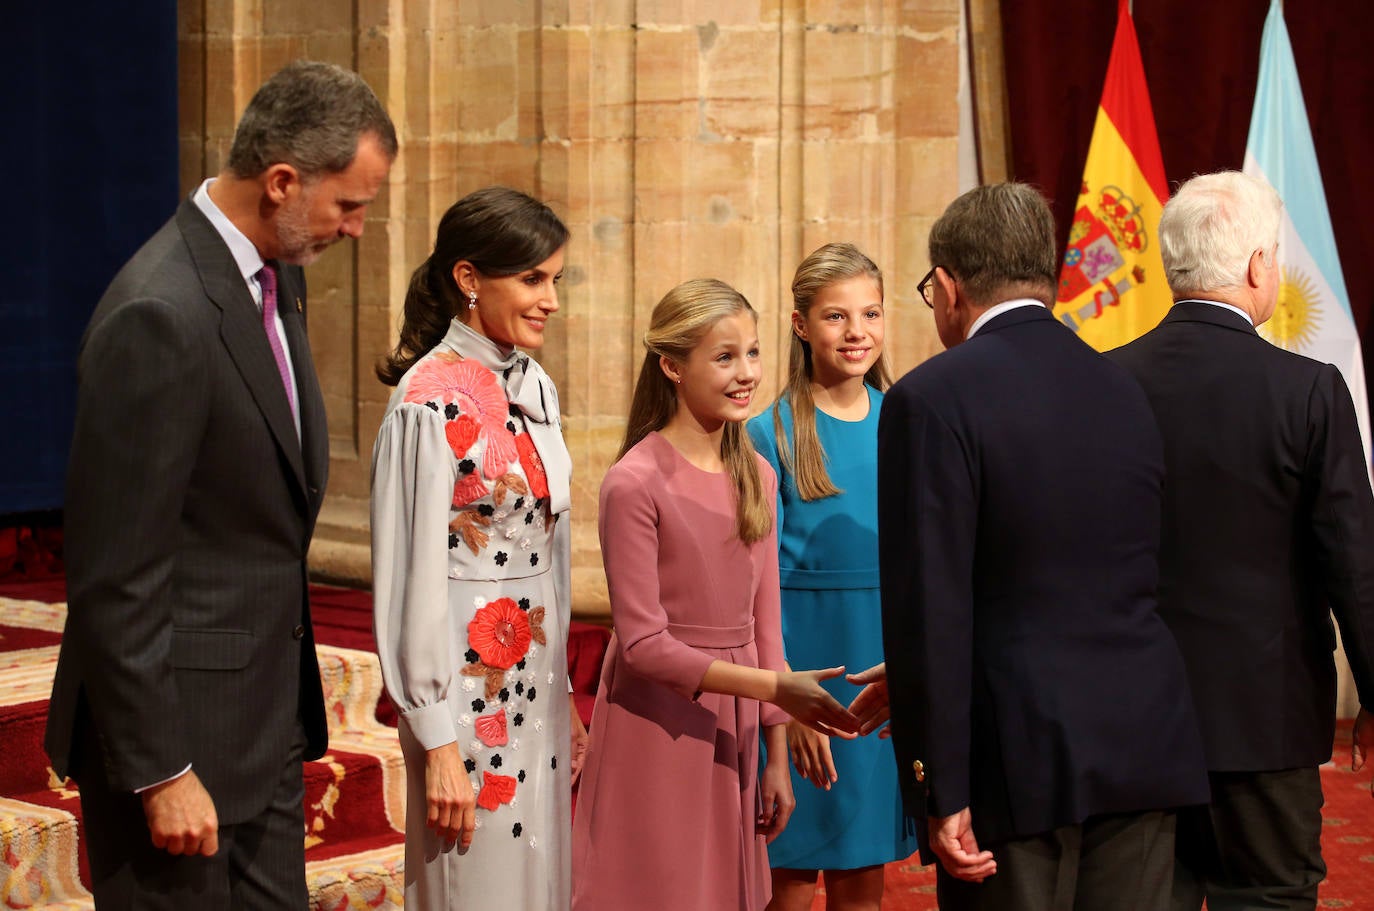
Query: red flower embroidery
(445, 378)
(491, 729)
(496, 790)
(500, 633)
(533, 465)
(462, 432)
(468, 488)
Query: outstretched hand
(1361, 743)
(871, 706)
(801, 695)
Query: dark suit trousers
(260, 865)
(1257, 845)
(1118, 862)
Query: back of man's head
(1212, 226)
(998, 241)
(309, 115)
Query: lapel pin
(298, 305)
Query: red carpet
(354, 797)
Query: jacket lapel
(243, 335)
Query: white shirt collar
(245, 255)
(1234, 309)
(997, 310)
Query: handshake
(801, 695)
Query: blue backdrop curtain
(1201, 62)
(91, 156)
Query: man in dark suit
(1039, 705)
(1268, 522)
(187, 691)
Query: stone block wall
(677, 139)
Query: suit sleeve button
(298, 632)
(919, 768)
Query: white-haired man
(1268, 527)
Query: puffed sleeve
(413, 473)
(628, 525)
(767, 602)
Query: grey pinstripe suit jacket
(189, 510)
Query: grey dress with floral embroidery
(471, 617)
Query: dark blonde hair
(501, 232)
(803, 456)
(677, 325)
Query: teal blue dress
(831, 615)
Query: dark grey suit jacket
(1018, 525)
(1268, 521)
(189, 510)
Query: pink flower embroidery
(491, 729)
(445, 378)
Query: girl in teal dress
(821, 437)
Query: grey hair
(1212, 226)
(998, 241)
(309, 115)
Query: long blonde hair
(678, 323)
(803, 456)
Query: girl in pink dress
(672, 815)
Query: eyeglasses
(926, 289)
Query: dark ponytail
(501, 232)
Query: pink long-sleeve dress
(666, 818)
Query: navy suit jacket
(189, 510)
(1268, 521)
(1029, 672)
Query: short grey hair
(309, 115)
(998, 241)
(1212, 226)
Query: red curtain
(1201, 60)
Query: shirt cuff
(149, 787)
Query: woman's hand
(578, 750)
(776, 799)
(450, 801)
(800, 694)
(810, 753)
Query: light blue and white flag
(1313, 314)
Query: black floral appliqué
(486, 509)
(519, 688)
(505, 694)
(501, 558)
(479, 705)
(496, 761)
(432, 405)
(467, 466)
(470, 766)
(534, 559)
(516, 830)
(471, 655)
(518, 720)
(521, 777)
(450, 411)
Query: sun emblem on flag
(1297, 316)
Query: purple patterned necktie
(267, 278)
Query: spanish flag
(1111, 285)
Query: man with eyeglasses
(1040, 712)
